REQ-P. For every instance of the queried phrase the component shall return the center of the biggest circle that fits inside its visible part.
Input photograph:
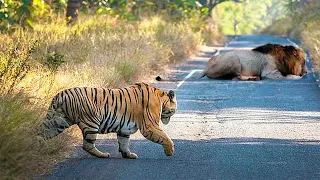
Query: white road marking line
(292, 42)
(193, 71)
(188, 76)
(226, 48)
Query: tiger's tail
(56, 121)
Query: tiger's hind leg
(89, 138)
(124, 142)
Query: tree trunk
(213, 3)
(210, 5)
(72, 10)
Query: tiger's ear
(171, 94)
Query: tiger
(122, 111)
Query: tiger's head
(169, 106)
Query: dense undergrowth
(96, 51)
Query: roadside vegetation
(301, 20)
(110, 44)
(47, 55)
(99, 51)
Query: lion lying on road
(269, 61)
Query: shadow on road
(225, 158)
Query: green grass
(96, 51)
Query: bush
(22, 154)
(15, 62)
(180, 37)
(311, 40)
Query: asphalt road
(222, 130)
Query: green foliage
(54, 60)
(115, 8)
(247, 17)
(184, 9)
(59, 5)
(26, 12)
(23, 13)
(297, 18)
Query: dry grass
(22, 153)
(98, 51)
(311, 40)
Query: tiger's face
(169, 107)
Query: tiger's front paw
(169, 150)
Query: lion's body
(275, 62)
(122, 111)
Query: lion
(269, 61)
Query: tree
(22, 13)
(247, 17)
(72, 10)
(210, 4)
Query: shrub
(22, 154)
(15, 62)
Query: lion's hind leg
(226, 66)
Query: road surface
(222, 130)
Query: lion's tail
(203, 73)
